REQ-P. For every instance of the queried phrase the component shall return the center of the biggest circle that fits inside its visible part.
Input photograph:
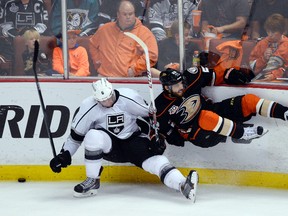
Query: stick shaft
(149, 75)
(41, 99)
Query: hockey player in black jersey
(184, 114)
(106, 125)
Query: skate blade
(194, 181)
(243, 141)
(87, 194)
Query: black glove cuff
(65, 158)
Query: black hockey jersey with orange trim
(183, 112)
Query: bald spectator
(108, 11)
(116, 55)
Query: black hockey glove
(238, 77)
(174, 138)
(63, 159)
(157, 144)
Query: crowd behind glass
(228, 33)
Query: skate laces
(89, 182)
(252, 132)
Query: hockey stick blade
(145, 49)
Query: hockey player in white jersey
(106, 124)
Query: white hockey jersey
(119, 120)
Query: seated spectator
(1, 10)
(169, 48)
(18, 16)
(78, 56)
(81, 15)
(225, 17)
(43, 63)
(108, 11)
(162, 13)
(116, 55)
(263, 9)
(269, 58)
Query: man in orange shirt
(78, 57)
(116, 55)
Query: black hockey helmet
(170, 77)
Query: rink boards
(25, 150)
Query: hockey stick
(146, 4)
(152, 108)
(36, 51)
(249, 19)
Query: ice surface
(55, 198)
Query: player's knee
(155, 164)
(97, 140)
(249, 102)
(208, 120)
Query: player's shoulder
(89, 102)
(162, 100)
(127, 92)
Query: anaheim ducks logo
(189, 108)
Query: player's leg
(211, 121)
(159, 165)
(253, 104)
(137, 151)
(96, 143)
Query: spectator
(78, 56)
(269, 57)
(18, 16)
(108, 11)
(263, 9)
(169, 47)
(225, 17)
(116, 55)
(1, 11)
(162, 13)
(43, 62)
(81, 15)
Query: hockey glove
(61, 160)
(238, 77)
(157, 144)
(174, 138)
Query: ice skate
(254, 132)
(189, 188)
(286, 116)
(87, 188)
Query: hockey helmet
(170, 77)
(102, 89)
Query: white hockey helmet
(102, 89)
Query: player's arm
(166, 126)
(81, 123)
(155, 20)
